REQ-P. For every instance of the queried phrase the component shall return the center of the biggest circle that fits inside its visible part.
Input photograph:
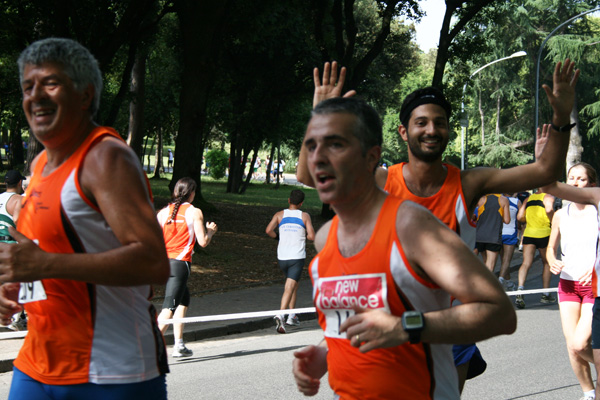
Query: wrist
(564, 127)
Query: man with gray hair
(88, 244)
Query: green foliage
(593, 111)
(216, 161)
(394, 149)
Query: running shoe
(19, 322)
(509, 286)
(588, 398)
(519, 302)
(294, 321)
(279, 324)
(548, 299)
(182, 351)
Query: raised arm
(548, 166)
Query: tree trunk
(250, 171)
(16, 145)
(135, 138)
(575, 147)
(482, 117)
(33, 149)
(199, 22)
(447, 35)
(270, 164)
(150, 152)
(158, 164)
(499, 101)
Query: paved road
(531, 364)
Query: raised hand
(330, 86)
(562, 94)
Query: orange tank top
(179, 234)
(379, 277)
(83, 332)
(448, 204)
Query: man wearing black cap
(449, 193)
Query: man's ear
(373, 157)
(88, 97)
(403, 133)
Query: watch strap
(564, 128)
(414, 336)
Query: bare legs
(288, 300)
(576, 321)
(180, 312)
(507, 254)
(528, 253)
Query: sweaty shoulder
(410, 215)
(108, 163)
(381, 176)
(321, 236)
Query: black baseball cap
(13, 177)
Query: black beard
(426, 157)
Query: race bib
(32, 291)
(337, 296)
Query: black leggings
(177, 292)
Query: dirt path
(240, 254)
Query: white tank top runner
(292, 236)
(578, 241)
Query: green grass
(258, 193)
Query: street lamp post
(464, 120)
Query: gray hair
(78, 63)
(368, 129)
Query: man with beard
(449, 193)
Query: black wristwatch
(413, 323)
(564, 128)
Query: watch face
(413, 321)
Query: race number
(32, 291)
(338, 295)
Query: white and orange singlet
(179, 235)
(379, 277)
(83, 332)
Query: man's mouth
(42, 113)
(323, 177)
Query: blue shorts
(464, 353)
(25, 387)
(510, 239)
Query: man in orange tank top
(89, 245)
(378, 285)
(449, 193)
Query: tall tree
(199, 22)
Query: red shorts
(575, 292)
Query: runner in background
(510, 239)
(182, 225)
(576, 227)
(294, 228)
